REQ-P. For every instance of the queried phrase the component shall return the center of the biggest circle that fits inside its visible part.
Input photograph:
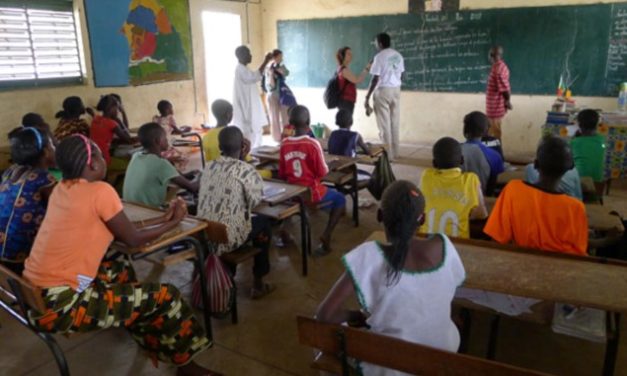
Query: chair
(17, 297)
(196, 143)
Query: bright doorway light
(223, 34)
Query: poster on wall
(419, 6)
(138, 42)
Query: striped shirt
(498, 83)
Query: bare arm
(187, 184)
(479, 212)
(332, 307)
(350, 76)
(373, 84)
(123, 134)
(125, 231)
(362, 145)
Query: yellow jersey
(450, 196)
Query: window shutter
(38, 46)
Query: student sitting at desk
(538, 215)
(589, 147)
(570, 183)
(404, 287)
(166, 120)
(37, 121)
(302, 163)
(487, 165)
(24, 191)
(453, 197)
(70, 119)
(229, 190)
(344, 141)
(81, 292)
(149, 174)
(105, 126)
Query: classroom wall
(188, 97)
(425, 117)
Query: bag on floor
(333, 92)
(220, 288)
(382, 176)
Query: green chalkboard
(448, 52)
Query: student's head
(242, 53)
(165, 108)
(117, 97)
(496, 54)
(299, 118)
(73, 107)
(231, 141)
(447, 153)
(222, 110)
(31, 147)
(344, 56)
(553, 158)
(153, 137)
(34, 120)
(588, 121)
(108, 105)
(344, 119)
(402, 212)
(277, 56)
(476, 125)
(383, 41)
(79, 157)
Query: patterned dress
(22, 210)
(68, 127)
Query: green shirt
(147, 178)
(589, 155)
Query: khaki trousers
(388, 111)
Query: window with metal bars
(38, 44)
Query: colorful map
(139, 41)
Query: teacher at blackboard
(387, 72)
(497, 92)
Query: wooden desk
(279, 208)
(335, 162)
(503, 178)
(182, 233)
(599, 217)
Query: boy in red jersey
(302, 163)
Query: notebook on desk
(267, 149)
(270, 191)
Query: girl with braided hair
(405, 286)
(82, 293)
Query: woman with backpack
(348, 80)
(274, 74)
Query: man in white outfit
(387, 72)
(248, 113)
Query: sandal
(260, 293)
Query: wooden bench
(17, 297)
(338, 343)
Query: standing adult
(348, 80)
(387, 73)
(248, 113)
(497, 92)
(274, 74)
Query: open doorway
(222, 32)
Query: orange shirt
(533, 218)
(73, 237)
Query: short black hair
(28, 145)
(163, 106)
(239, 51)
(221, 108)
(32, 119)
(344, 118)
(105, 101)
(384, 40)
(447, 153)
(276, 52)
(299, 117)
(554, 158)
(476, 124)
(230, 140)
(72, 155)
(149, 134)
(588, 120)
(72, 107)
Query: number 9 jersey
(302, 163)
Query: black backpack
(333, 92)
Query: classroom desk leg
(611, 348)
(305, 234)
(465, 316)
(494, 335)
(355, 195)
(202, 250)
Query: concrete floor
(265, 340)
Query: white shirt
(389, 65)
(248, 113)
(416, 309)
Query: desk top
(288, 191)
(138, 213)
(577, 280)
(335, 162)
(599, 217)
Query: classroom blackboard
(448, 51)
